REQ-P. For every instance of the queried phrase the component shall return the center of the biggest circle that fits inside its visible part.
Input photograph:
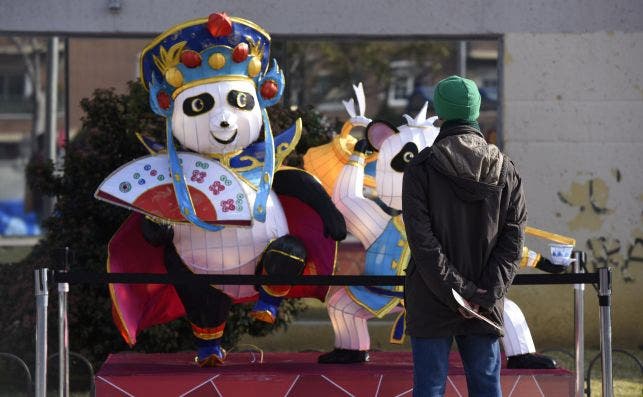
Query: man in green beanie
(464, 215)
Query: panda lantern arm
(546, 265)
(533, 259)
(363, 146)
(366, 220)
(303, 186)
(155, 233)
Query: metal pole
(52, 97)
(500, 107)
(63, 333)
(462, 58)
(42, 300)
(37, 101)
(604, 301)
(63, 341)
(579, 324)
(67, 99)
(51, 110)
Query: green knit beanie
(456, 98)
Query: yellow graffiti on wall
(591, 200)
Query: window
(401, 85)
(398, 75)
(14, 96)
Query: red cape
(136, 307)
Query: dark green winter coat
(464, 214)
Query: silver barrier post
(579, 331)
(63, 333)
(63, 341)
(604, 301)
(42, 300)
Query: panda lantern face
(395, 153)
(217, 118)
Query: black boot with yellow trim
(343, 356)
(208, 341)
(284, 256)
(207, 309)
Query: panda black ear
(377, 131)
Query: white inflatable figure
(222, 206)
(377, 223)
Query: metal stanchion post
(63, 333)
(42, 301)
(579, 331)
(63, 341)
(604, 301)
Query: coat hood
(474, 168)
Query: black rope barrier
(86, 277)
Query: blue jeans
(480, 357)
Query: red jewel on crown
(240, 52)
(269, 89)
(219, 24)
(163, 100)
(190, 58)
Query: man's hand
(474, 307)
(484, 299)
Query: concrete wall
(573, 122)
(572, 117)
(330, 17)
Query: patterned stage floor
(298, 374)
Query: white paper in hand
(465, 305)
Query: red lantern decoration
(219, 24)
(269, 89)
(240, 52)
(190, 58)
(163, 100)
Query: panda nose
(222, 120)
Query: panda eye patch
(241, 100)
(196, 105)
(401, 160)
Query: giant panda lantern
(223, 204)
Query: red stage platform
(298, 374)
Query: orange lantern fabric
(326, 161)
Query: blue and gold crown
(202, 51)
(207, 50)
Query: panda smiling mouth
(225, 141)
